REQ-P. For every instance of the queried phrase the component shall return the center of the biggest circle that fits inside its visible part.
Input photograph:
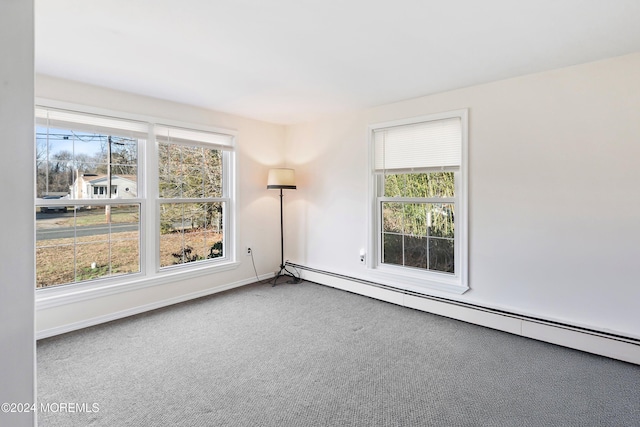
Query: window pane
(71, 162)
(392, 249)
(434, 184)
(92, 228)
(92, 260)
(190, 232)
(54, 161)
(395, 185)
(170, 171)
(441, 255)
(212, 171)
(415, 251)
(392, 217)
(125, 239)
(189, 171)
(440, 184)
(415, 219)
(54, 263)
(441, 220)
(124, 155)
(87, 242)
(419, 235)
(192, 172)
(417, 185)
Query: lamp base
(284, 272)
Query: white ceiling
(287, 61)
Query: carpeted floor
(309, 355)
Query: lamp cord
(298, 277)
(254, 266)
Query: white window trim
(414, 279)
(150, 273)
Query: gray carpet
(309, 355)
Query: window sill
(417, 281)
(67, 294)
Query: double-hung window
(194, 195)
(87, 200)
(420, 202)
(118, 197)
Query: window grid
(93, 259)
(433, 242)
(184, 201)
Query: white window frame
(408, 278)
(150, 273)
(140, 200)
(228, 186)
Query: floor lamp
(280, 179)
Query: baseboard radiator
(593, 341)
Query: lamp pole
(283, 269)
(281, 235)
(280, 179)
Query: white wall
(259, 145)
(553, 194)
(17, 346)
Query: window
(95, 177)
(81, 233)
(419, 215)
(193, 195)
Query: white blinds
(424, 146)
(171, 134)
(62, 119)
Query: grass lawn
(69, 260)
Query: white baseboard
(46, 333)
(608, 345)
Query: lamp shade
(281, 178)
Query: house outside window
(100, 189)
(94, 186)
(419, 214)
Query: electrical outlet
(249, 251)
